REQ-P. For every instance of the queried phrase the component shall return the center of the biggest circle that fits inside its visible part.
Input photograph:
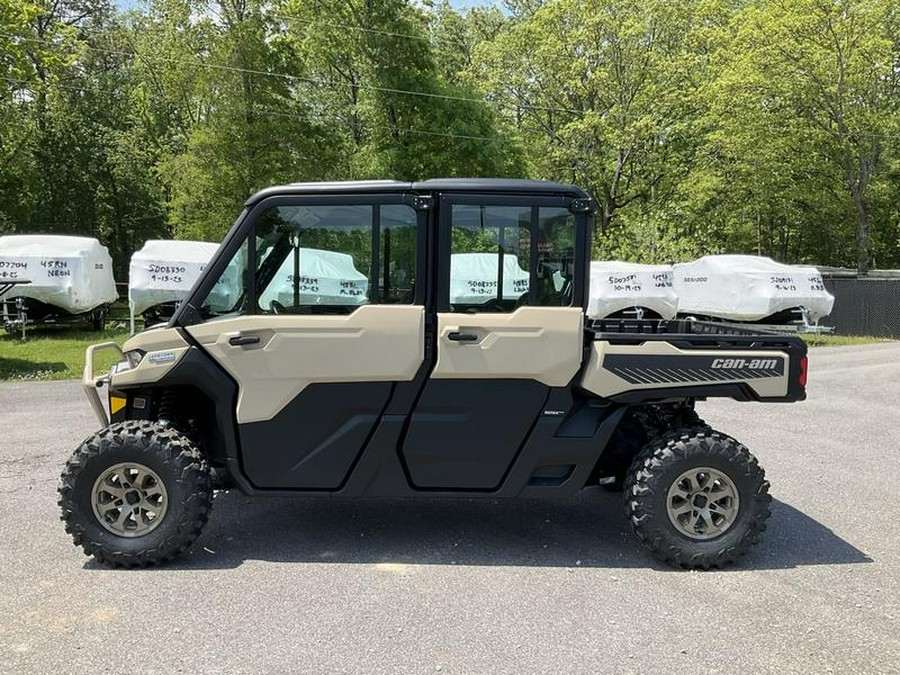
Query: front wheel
(697, 498)
(135, 494)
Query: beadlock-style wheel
(136, 493)
(702, 503)
(697, 498)
(129, 499)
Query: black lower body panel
(313, 442)
(465, 434)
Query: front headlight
(134, 357)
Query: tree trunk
(758, 232)
(862, 227)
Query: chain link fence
(864, 306)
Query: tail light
(802, 378)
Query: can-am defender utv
(419, 340)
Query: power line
(269, 112)
(441, 134)
(369, 127)
(298, 78)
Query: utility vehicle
(383, 375)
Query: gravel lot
(478, 587)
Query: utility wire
(297, 78)
(368, 126)
(269, 112)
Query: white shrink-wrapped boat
(750, 288)
(326, 278)
(474, 278)
(161, 273)
(70, 278)
(628, 289)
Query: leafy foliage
(761, 126)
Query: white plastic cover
(749, 288)
(72, 273)
(326, 278)
(619, 285)
(473, 278)
(164, 271)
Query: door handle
(242, 340)
(456, 336)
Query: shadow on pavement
(587, 531)
(11, 368)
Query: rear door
(315, 309)
(509, 327)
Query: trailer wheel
(135, 494)
(98, 318)
(697, 498)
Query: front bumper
(92, 383)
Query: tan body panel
(163, 347)
(155, 339)
(533, 343)
(376, 343)
(602, 382)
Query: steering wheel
(276, 307)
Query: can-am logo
(745, 364)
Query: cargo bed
(633, 359)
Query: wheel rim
(129, 499)
(702, 503)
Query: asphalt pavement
(368, 586)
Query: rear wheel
(697, 498)
(135, 494)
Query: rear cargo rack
(688, 332)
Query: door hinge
(422, 202)
(582, 206)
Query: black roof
(495, 185)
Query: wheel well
(640, 425)
(193, 413)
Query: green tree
(375, 73)
(828, 70)
(599, 91)
(248, 125)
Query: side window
(490, 252)
(505, 257)
(321, 259)
(314, 259)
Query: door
(509, 327)
(318, 311)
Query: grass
(826, 340)
(54, 353)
